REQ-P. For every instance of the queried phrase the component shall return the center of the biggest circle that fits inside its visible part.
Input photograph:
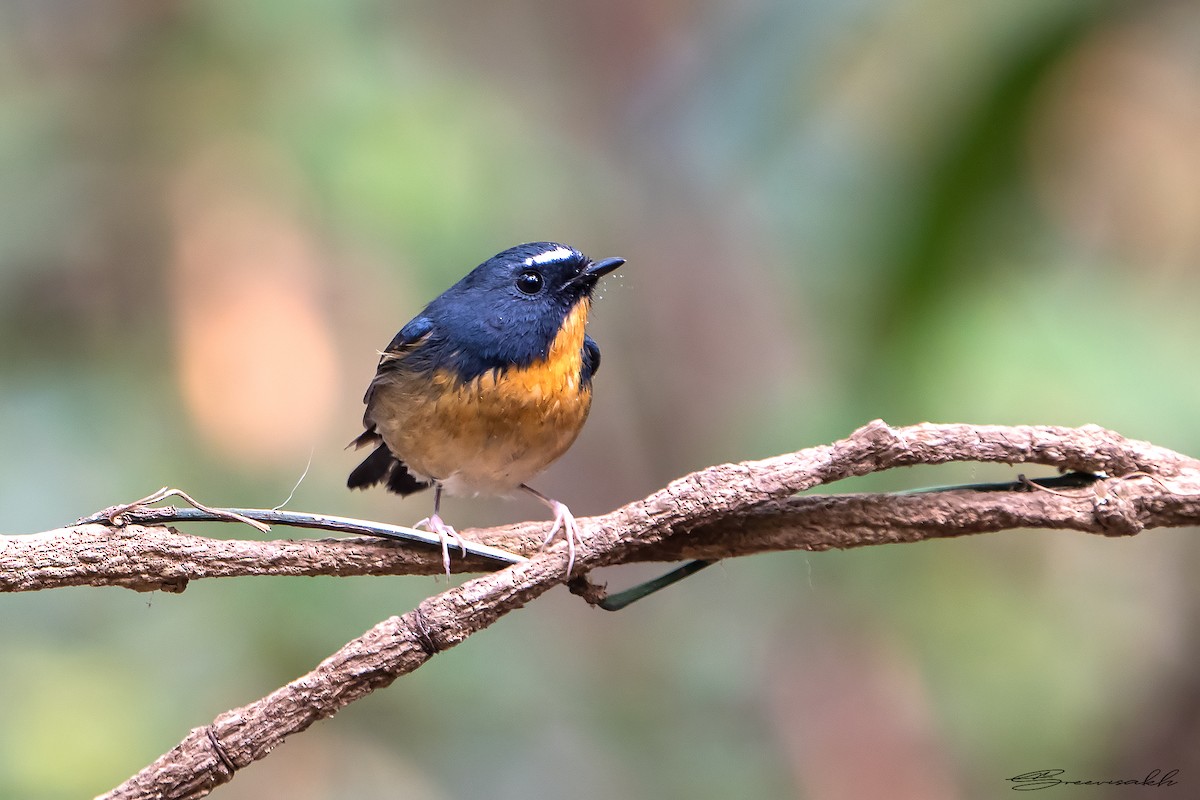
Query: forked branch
(719, 512)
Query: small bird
(488, 385)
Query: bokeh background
(212, 214)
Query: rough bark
(720, 512)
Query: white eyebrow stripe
(550, 256)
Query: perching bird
(488, 385)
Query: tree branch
(163, 559)
(726, 510)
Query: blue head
(507, 311)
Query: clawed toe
(434, 524)
(564, 520)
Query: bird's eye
(530, 281)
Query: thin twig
(262, 518)
(121, 514)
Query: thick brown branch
(1114, 507)
(162, 559)
(704, 514)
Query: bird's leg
(564, 520)
(434, 524)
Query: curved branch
(710, 513)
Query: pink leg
(434, 524)
(564, 520)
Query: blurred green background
(213, 214)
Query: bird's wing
(405, 341)
(591, 359)
(392, 360)
(382, 465)
(402, 345)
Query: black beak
(599, 269)
(594, 271)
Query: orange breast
(497, 431)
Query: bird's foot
(564, 521)
(434, 524)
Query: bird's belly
(488, 435)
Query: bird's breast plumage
(494, 431)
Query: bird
(487, 386)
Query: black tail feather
(381, 466)
(402, 482)
(374, 469)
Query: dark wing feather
(393, 356)
(591, 359)
(381, 465)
